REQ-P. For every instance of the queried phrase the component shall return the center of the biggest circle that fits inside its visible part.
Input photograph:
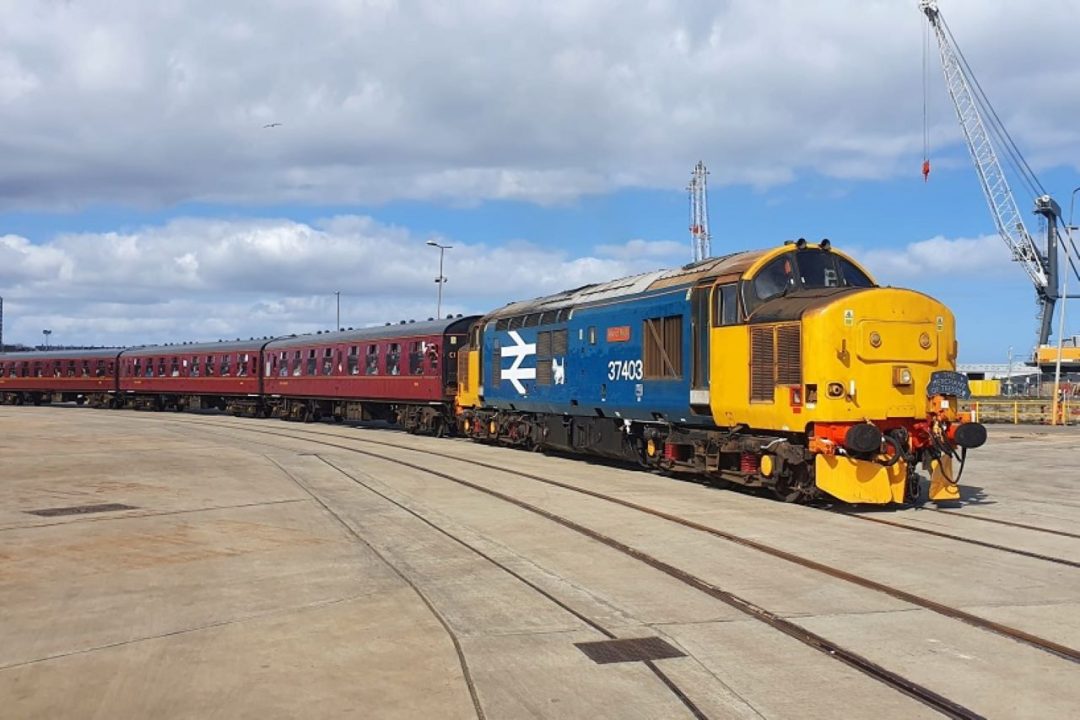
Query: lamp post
(441, 279)
(337, 294)
(1061, 326)
(46, 333)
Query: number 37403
(624, 370)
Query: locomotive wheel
(790, 487)
(784, 492)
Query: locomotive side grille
(496, 367)
(789, 355)
(558, 342)
(543, 371)
(762, 364)
(662, 348)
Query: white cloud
(155, 103)
(204, 279)
(940, 257)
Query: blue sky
(142, 200)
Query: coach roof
(106, 353)
(425, 328)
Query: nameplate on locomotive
(946, 382)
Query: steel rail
(901, 684)
(1022, 636)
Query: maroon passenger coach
(405, 372)
(58, 375)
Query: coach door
(699, 339)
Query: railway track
(1008, 523)
(592, 623)
(906, 686)
(1016, 634)
(970, 541)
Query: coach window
(194, 366)
(226, 363)
(149, 367)
(371, 360)
(726, 305)
(161, 367)
(393, 359)
(174, 369)
(242, 364)
(208, 369)
(312, 363)
(662, 351)
(71, 368)
(354, 360)
(56, 368)
(328, 362)
(416, 358)
(432, 353)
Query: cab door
(730, 355)
(700, 298)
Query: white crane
(982, 130)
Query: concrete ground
(262, 576)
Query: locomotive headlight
(901, 375)
(924, 341)
(875, 339)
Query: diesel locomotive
(788, 369)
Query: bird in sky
(271, 125)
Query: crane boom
(1041, 267)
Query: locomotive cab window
(726, 305)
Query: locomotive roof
(379, 332)
(733, 265)
(61, 354)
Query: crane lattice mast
(699, 213)
(1040, 266)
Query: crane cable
(925, 91)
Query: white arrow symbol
(519, 351)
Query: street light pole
(46, 333)
(337, 293)
(441, 279)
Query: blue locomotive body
(590, 359)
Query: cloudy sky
(142, 199)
